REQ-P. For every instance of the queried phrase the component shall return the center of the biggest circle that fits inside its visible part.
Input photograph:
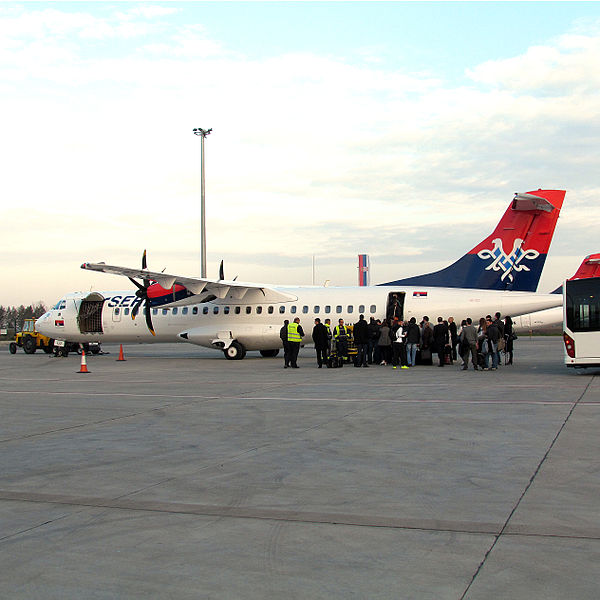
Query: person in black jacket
(509, 337)
(492, 334)
(413, 337)
(361, 339)
(453, 336)
(320, 337)
(286, 347)
(441, 338)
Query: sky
(397, 129)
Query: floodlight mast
(202, 133)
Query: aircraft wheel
(29, 345)
(95, 349)
(269, 353)
(12, 348)
(235, 352)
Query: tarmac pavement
(179, 474)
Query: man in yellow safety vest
(295, 334)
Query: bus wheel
(269, 353)
(29, 345)
(235, 352)
(12, 348)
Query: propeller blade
(144, 261)
(221, 271)
(149, 317)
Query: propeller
(222, 273)
(142, 293)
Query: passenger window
(338, 309)
(281, 309)
(373, 309)
(316, 309)
(216, 310)
(175, 311)
(184, 310)
(270, 310)
(293, 310)
(126, 311)
(117, 311)
(238, 309)
(327, 309)
(259, 310)
(155, 311)
(205, 310)
(165, 311)
(350, 309)
(195, 310)
(361, 309)
(305, 309)
(226, 310)
(248, 310)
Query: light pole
(202, 133)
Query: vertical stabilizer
(364, 277)
(513, 256)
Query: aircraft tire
(270, 353)
(12, 348)
(29, 345)
(95, 350)
(235, 352)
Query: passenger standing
(452, 329)
(469, 344)
(283, 334)
(294, 338)
(361, 339)
(413, 337)
(329, 336)
(481, 342)
(492, 336)
(500, 325)
(384, 343)
(399, 347)
(320, 338)
(509, 337)
(426, 341)
(441, 338)
(373, 338)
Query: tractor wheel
(29, 345)
(12, 348)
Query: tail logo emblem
(507, 262)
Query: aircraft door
(395, 306)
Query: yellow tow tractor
(30, 340)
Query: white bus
(581, 322)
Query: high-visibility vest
(340, 330)
(293, 335)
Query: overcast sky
(401, 130)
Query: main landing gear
(235, 351)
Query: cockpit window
(60, 305)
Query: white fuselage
(256, 324)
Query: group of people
(396, 342)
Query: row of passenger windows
(256, 309)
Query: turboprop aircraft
(235, 316)
(551, 319)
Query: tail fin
(363, 270)
(513, 256)
(590, 267)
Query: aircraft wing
(201, 290)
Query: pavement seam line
(529, 484)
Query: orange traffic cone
(121, 357)
(83, 368)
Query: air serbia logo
(508, 262)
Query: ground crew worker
(340, 335)
(295, 334)
(328, 325)
(286, 348)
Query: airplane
(235, 317)
(551, 319)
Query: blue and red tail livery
(513, 256)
